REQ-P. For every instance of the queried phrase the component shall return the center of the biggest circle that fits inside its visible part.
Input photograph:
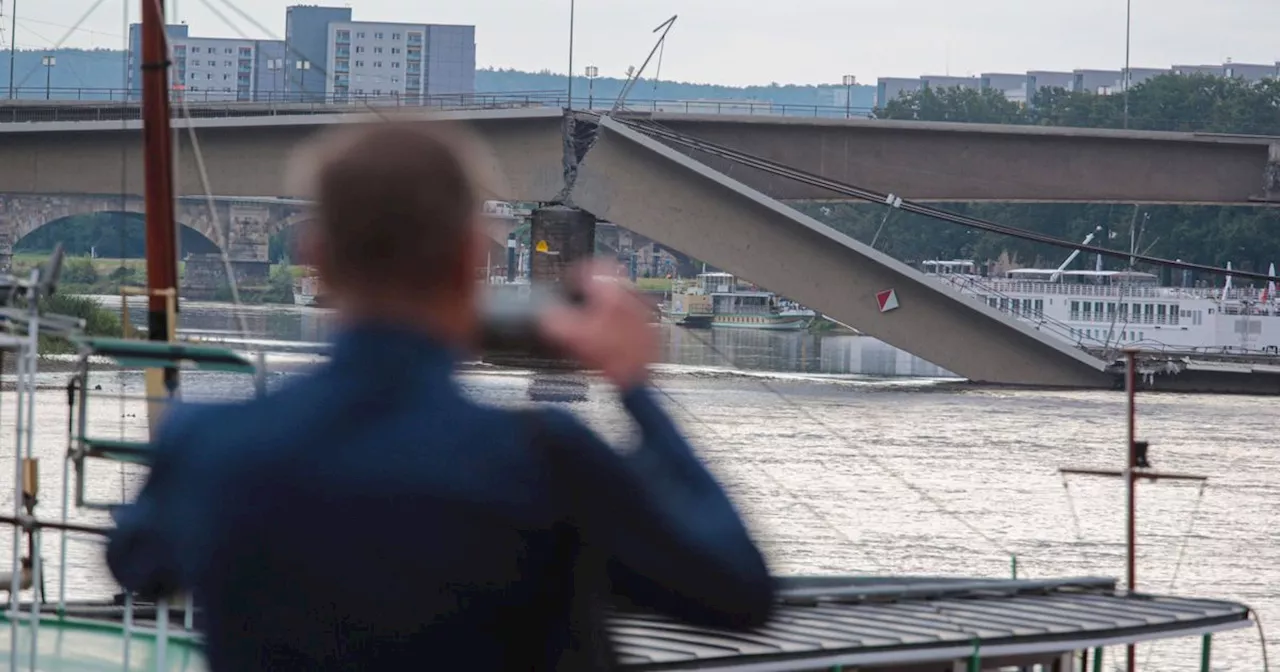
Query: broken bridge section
(660, 193)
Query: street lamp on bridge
(592, 73)
(48, 62)
(303, 66)
(849, 81)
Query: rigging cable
(655, 131)
(62, 40)
(761, 467)
(890, 471)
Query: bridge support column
(560, 236)
(204, 276)
(1271, 176)
(7, 227)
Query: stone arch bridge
(242, 227)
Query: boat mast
(1136, 466)
(161, 228)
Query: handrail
(91, 104)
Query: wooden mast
(161, 228)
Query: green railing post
(1204, 653)
(1097, 659)
(975, 660)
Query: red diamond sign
(888, 300)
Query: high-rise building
(342, 59)
(205, 68)
(325, 56)
(401, 60)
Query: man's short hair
(395, 201)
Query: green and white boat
(717, 300)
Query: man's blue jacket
(369, 516)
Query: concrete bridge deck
(916, 160)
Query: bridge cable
(760, 465)
(62, 40)
(920, 492)
(655, 131)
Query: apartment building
(1022, 87)
(401, 60)
(325, 56)
(205, 68)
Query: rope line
(880, 464)
(759, 465)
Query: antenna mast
(161, 228)
(665, 27)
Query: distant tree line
(1249, 237)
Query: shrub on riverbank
(98, 321)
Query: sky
(739, 42)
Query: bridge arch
(23, 214)
(127, 239)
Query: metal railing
(95, 104)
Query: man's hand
(610, 331)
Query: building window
(195, 62)
(227, 50)
(361, 36)
(377, 36)
(395, 36)
(359, 64)
(395, 80)
(377, 50)
(377, 92)
(377, 64)
(226, 77)
(395, 50)
(209, 76)
(395, 64)
(359, 50)
(227, 63)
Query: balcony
(342, 66)
(415, 38)
(413, 68)
(342, 52)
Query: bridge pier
(1271, 176)
(561, 236)
(204, 276)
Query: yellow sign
(542, 246)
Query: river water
(847, 456)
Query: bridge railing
(95, 104)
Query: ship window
(1124, 311)
(1017, 306)
(1039, 307)
(1088, 309)
(1097, 308)
(1111, 309)
(1124, 335)
(1004, 304)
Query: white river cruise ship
(1117, 309)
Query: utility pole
(1136, 466)
(571, 12)
(1128, 25)
(13, 44)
